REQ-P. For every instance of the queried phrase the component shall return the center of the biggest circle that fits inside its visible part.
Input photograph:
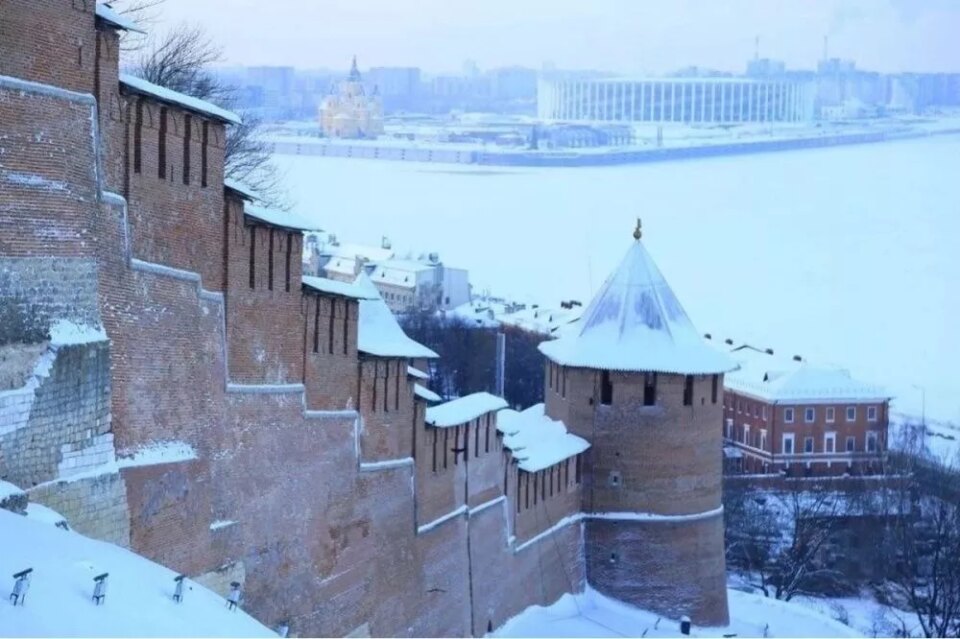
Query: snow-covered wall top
(378, 332)
(139, 85)
(535, 440)
(336, 287)
(462, 410)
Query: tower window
(434, 464)
(187, 125)
(606, 389)
(270, 262)
(650, 389)
(286, 286)
(253, 256)
(138, 138)
(714, 388)
(688, 390)
(333, 312)
(316, 327)
(162, 146)
(203, 154)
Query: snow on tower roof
(462, 410)
(284, 219)
(139, 85)
(240, 189)
(425, 393)
(109, 15)
(336, 287)
(378, 331)
(776, 379)
(636, 323)
(535, 440)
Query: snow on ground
(845, 255)
(864, 615)
(591, 614)
(139, 592)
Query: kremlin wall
(172, 383)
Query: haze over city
(621, 36)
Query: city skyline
(611, 35)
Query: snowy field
(139, 592)
(592, 615)
(844, 255)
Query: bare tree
(779, 539)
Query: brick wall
(46, 289)
(386, 403)
(330, 369)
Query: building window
(851, 444)
(253, 256)
(649, 389)
(714, 388)
(831, 414)
(809, 415)
(606, 389)
(763, 411)
(808, 445)
(851, 413)
(746, 434)
(203, 154)
(871, 413)
(162, 146)
(788, 444)
(688, 390)
(830, 443)
(788, 415)
(739, 406)
(871, 442)
(756, 411)
(138, 138)
(270, 262)
(728, 426)
(187, 124)
(763, 440)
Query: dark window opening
(688, 390)
(566, 472)
(253, 256)
(396, 395)
(551, 481)
(446, 446)
(606, 389)
(316, 327)
(486, 437)
(456, 446)
(650, 389)
(518, 492)
(162, 144)
(187, 124)
(373, 399)
(138, 139)
(286, 286)
(563, 372)
(270, 263)
(578, 470)
(476, 440)
(550, 374)
(526, 491)
(346, 324)
(434, 465)
(714, 388)
(536, 484)
(386, 387)
(333, 312)
(543, 485)
(203, 154)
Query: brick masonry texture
(211, 346)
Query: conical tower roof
(354, 71)
(635, 323)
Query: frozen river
(848, 255)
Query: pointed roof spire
(635, 323)
(638, 232)
(354, 71)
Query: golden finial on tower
(638, 232)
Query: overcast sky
(625, 36)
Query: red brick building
(790, 416)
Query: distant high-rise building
(398, 86)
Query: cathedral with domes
(348, 112)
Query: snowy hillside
(138, 598)
(593, 615)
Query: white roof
(240, 188)
(106, 13)
(399, 272)
(342, 265)
(416, 372)
(163, 94)
(354, 251)
(775, 379)
(286, 219)
(535, 440)
(636, 323)
(462, 410)
(425, 393)
(378, 331)
(334, 287)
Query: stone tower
(634, 378)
